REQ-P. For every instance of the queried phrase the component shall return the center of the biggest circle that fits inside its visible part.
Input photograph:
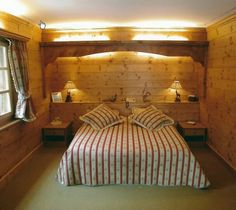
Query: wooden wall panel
(18, 140)
(221, 88)
(124, 33)
(126, 74)
(71, 111)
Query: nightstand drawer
(194, 132)
(54, 132)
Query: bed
(127, 153)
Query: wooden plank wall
(221, 88)
(72, 111)
(19, 140)
(123, 34)
(126, 74)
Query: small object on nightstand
(191, 122)
(56, 121)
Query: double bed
(127, 153)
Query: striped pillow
(102, 117)
(152, 119)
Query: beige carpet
(34, 188)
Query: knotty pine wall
(99, 76)
(19, 140)
(221, 88)
(124, 34)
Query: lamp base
(68, 98)
(177, 100)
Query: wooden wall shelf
(195, 49)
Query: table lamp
(176, 86)
(69, 86)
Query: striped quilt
(129, 154)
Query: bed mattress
(129, 154)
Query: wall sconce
(69, 87)
(42, 25)
(176, 86)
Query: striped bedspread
(129, 154)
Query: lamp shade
(70, 85)
(176, 85)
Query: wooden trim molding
(195, 49)
(13, 35)
(50, 51)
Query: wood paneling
(71, 111)
(21, 139)
(125, 33)
(126, 74)
(221, 88)
(195, 49)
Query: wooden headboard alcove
(125, 75)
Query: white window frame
(9, 115)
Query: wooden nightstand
(193, 133)
(57, 133)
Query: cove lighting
(80, 25)
(160, 29)
(150, 55)
(1, 25)
(99, 55)
(163, 24)
(13, 7)
(82, 38)
(158, 37)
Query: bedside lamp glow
(69, 87)
(176, 86)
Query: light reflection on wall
(158, 37)
(1, 25)
(151, 55)
(84, 37)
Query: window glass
(3, 57)
(5, 104)
(4, 80)
(5, 85)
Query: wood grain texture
(21, 139)
(126, 33)
(126, 74)
(221, 88)
(195, 49)
(71, 111)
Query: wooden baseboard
(13, 171)
(221, 156)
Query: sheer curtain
(18, 60)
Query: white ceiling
(199, 13)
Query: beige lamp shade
(70, 85)
(176, 85)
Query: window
(5, 85)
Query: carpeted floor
(34, 188)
